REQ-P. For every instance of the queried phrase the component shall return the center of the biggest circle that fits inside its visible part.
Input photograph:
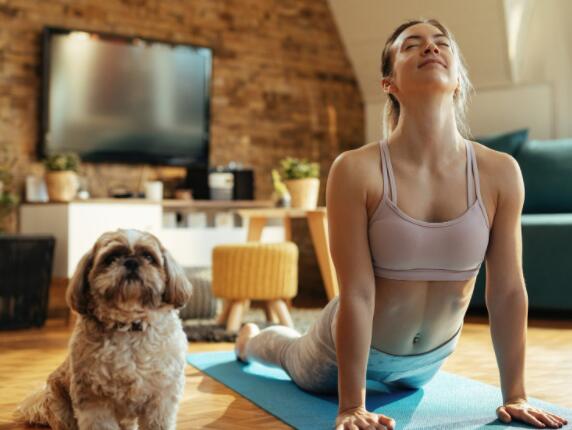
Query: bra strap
(383, 169)
(470, 180)
(477, 183)
(389, 171)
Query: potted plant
(62, 181)
(302, 179)
(8, 198)
(281, 197)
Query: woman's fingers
(386, 421)
(545, 418)
(503, 415)
(531, 419)
(361, 423)
(559, 419)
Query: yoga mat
(448, 401)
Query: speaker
(243, 184)
(198, 181)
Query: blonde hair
(461, 98)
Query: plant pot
(304, 192)
(62, 185)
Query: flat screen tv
(113, 98)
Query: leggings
(310, 358)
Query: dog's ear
(77, 294)
(178, 288)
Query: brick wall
(282, 84)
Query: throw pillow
(505, 142)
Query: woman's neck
(427, 131)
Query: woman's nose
(431, 47)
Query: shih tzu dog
(125, 367)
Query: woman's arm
(505, 292)
(349, 247)
(507, 300)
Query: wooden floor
(27, 357)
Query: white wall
(520, 81)
(544, 54)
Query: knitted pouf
(248, 271)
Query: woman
(407, 270)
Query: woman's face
(412, 73)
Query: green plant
(279, 186)
(8, 198)
(63, 161)
(8, 201)
(294, 168)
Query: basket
(203, 304)
(25, 274)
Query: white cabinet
(193, 246)
(77, 225)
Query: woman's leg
(309, 359)
(266, 346)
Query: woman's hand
(362, 419)
(522, 411)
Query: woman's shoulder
(499, 175)
(492, 163)
(361, 156)
(360, 163)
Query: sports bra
(406, 248)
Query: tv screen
(117, 99)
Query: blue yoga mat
(448, 401)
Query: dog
(125, 367)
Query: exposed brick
(280, 77)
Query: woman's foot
(246, 332)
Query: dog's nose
(131, 264)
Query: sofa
(546, 220)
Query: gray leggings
(310, 359)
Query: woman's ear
(386, 85)
(178, 288)
(77, 294)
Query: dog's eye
(111, 258)
(149, 257)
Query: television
(112, 98)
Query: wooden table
(318, 225)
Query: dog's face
(127, 270)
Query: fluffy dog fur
(125, 368)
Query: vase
(303, 192)
(62, 185)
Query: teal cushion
(505, 142)
(546, 167)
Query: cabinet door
(87, 221)
(49, 218)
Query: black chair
(25, 273)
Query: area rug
(447, 402)
(207, 330)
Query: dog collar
(133, 326)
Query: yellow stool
(248, 271)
